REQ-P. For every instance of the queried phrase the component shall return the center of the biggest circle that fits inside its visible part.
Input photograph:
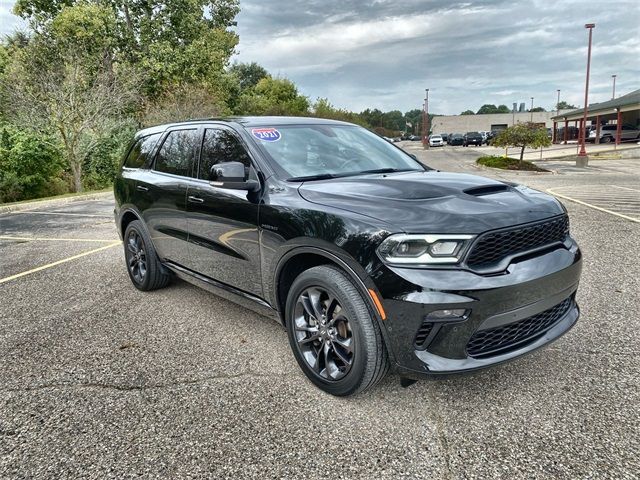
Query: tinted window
(176, 154)
(219, 146)
(139, 153)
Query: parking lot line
(64, 260)
(44, 239)
(626, 217)
(30, 212)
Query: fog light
(457, 314)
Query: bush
(506, 163)
(102, 163)
(31, 165)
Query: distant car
(473, 138)
(484, 136)
(396, 139)
(414, 138)
(444, 136)
(436, 141)
(456, 139)
(608, 133)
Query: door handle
(141, 188)
(193, 199)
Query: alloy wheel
(323, 334)
(136, 256)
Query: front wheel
(333, 335)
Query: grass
(506, 163)
(55, 197)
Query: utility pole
(531, 110)
(613, 95)
(582, 136)
(425, 120)
(558, 102)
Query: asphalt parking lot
(100, 380)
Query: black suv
(368, 258)
(473, 138)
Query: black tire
(606, 139)
(368, 355)
(143, 265)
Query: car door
(223, 223)
(162, 190)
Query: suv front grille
(494, 341)
(492, 247)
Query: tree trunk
(76, 169)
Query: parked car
(456, 139)
(436, 141)
(608, 133)
(370, 259)
(473, 138)
(445, 136)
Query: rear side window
(177, 152)
(139, 153)
(218, 146)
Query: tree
(65, 83)
(537, 109)
(564, 106)
(523, 135)
(393, 120)
(322, 108)
(248, 74)
(503, 109)
(274, 96)
(372, 117)
(487, 108)
(468, 112)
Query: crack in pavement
(133, 388)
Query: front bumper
(527, 290)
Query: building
(491, 121)
(621, 111)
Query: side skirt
(225, 291)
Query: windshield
(303, 151)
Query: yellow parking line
(632, 219)
(64, 260)
(44, 239)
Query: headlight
(404, 249)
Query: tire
(342, 352)
(143, 265)
(606, 139)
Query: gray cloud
(379, 53)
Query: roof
(630, 101)
(248, 121)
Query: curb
(53, 202)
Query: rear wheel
(606, 139)
(144, 267)
(333, 336)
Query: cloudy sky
(377, 53)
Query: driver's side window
(218, 146)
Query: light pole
(425, 120)
(531, 110)
(613, 95)
(583, 152)
(558, 102)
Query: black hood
(434, 202)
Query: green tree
(487, 108)
(248, 74)
(393, 120)
(468, 112)
(322, 108)
(537, 109)
(274, 96)
(503, 109)
(65, 82)
(564, 106)
(523, 135)
(373, 118)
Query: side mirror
(232, 175)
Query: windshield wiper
(387, 170)
(320, 176)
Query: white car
(436, 141)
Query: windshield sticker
(266, 134)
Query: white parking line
(590, 193)
(43, 239)
(61, 213)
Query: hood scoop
(486, 190)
